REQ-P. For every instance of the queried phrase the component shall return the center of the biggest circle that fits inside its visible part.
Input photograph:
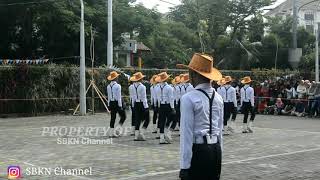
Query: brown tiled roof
(142, 47)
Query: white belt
(200, 140)
(137, 100)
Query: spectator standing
(301, 90)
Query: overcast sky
(164, 7)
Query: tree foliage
(235, 32)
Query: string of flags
(19, 61)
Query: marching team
(165, 103)
(188, 104)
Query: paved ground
(281, 148)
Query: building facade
(308, 13)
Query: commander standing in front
(201, 123)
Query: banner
(19, 61)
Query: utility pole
(110, 42)
(294, 25)
(83, 107)
(317, 53)
(276, 59)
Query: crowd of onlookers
(286, 96)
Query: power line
(26, 3)
(168, 2)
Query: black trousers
(234, 114)
(228, 110)
(246, 108)
(141, 115)
(155, 115)
(133, 114)
(206, 162)
(114, 109)
(176, 117)
(165, 116)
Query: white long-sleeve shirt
(165, 94)
(301, 91)
(131, 94)
(290, 93)
(195, 120)
(153, 97)
(114, 93)
(186, 87)
(178, 92)
(140, 94)
(228, 94)
(247, 95)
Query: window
(309, 17)
(310, 28)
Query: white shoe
(245, 128)
(111, 133)
(118, 130)
(136, 135)
(163, 140)
(133, 128)
(158, 133)
(226, 132)
(167, 135)
(141, 135)
(232, 127)
(250, 127)
(177, 128)
(154, 131)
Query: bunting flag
(19, 61)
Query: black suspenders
(137, 90)
(111, 86)
(226, 92)
(245, 92)
(162, 91)
(210, 106)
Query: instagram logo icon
(14, 172)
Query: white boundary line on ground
(29, 164)
(292, 130)
(226, 163)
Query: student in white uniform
(228, 93)
(141, 107)
(176, 83)
(166, 110)
(247, 104)
(154, 103)
(220, 84)
(186, 85)
(132, 97)
(115, 103)
(201, 123)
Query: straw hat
(176, 80)
(113, 75)
(185, 78)
(246, 80)
(153, 79)
(203, 64)
(228, 79)
(162, 77)
(137, 77)
(221, 82)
